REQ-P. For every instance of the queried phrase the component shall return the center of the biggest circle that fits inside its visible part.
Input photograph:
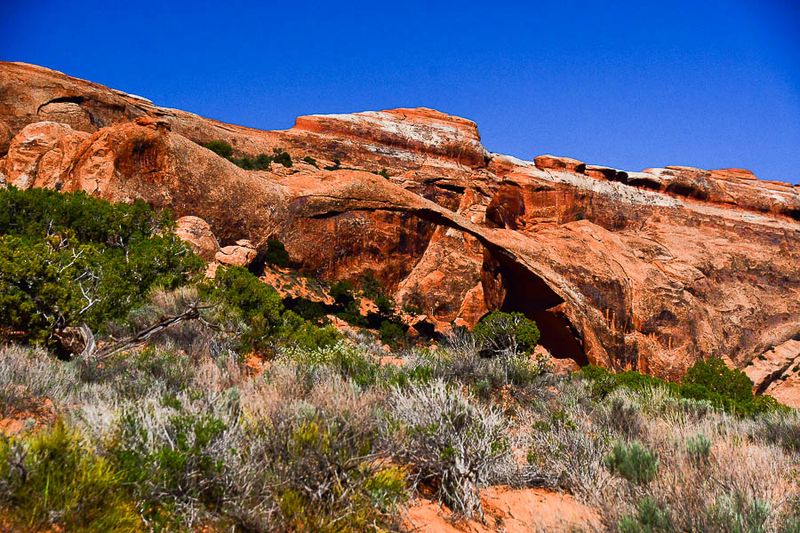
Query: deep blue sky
(702, 82)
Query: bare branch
(191, 313)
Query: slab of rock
(554, 162)
(240, 254)
(197, 233)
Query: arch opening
(530, 295)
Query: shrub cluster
(259, 162)
(454, 445)
(68, 259)
(708, 381)
(268, 323)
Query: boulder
(197, 233)
(240, 254)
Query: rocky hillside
(647, 270)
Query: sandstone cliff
(648, 270)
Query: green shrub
(650, 517)
(71, 259)
(238, 288)
(262, 162)
(305, 335)
(310, 160)
(282, 157)
(706, 381)
(259, 305)
(698, 448)
(259, 162)
(633, 462)
(385, 305)
(342, 292)
(370, 285)
(221, 148)
(392, 333)
(352, 315)
(76, 216)
(308, 309)
(54, 479)
(276, 253)
(507, 332)
(335, 166)
(716, 377)
(604, 382)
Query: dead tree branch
(91, 353)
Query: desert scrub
(633, 462)
(782, 429)
(29, 376)
(171, 452)
(459, 359)
(322, 473)
(698, 448)
(709, 381)
(450, 442)
(568, 439)
(348, 360)
(307, 456)
(55, 479)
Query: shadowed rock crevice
(688, 191)
(63, 100)
(512, 288)
(793, 213)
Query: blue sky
(703, 83)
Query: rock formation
(647, 270)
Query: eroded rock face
(40, 154)
(777, 372)
(648, 270)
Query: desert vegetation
(255, 417)
(258, 162)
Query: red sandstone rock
(40, 153)
(647, 270)
(777, 372)
(554, 162)
(240, 254)
(197, 233)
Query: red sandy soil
(509, 510)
